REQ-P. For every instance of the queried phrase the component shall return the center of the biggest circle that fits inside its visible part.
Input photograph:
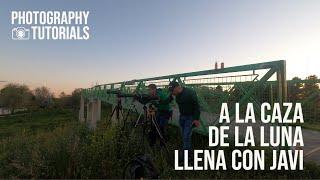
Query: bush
(72, 150)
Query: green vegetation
(17, 98)
(34, 122)
(53, 144)
(47, 141)
(305, 92)
(312, 126)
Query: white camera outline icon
(20, 33)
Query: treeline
(19, 97)
(308, 94)
(298, 91)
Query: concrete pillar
(94, 112)
(93, 122)
(81, 110)
(89, 112)
(98, 110)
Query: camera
(20, 33)
(142, 98)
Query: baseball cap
(172, 85)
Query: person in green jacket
(164, 112)
(189, 109)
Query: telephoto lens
(146, 98)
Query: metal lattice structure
(256, 83)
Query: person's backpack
(141, 166)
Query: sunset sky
(142, 38)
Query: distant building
(4, 111)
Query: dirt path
(311, 145)
(311, 140)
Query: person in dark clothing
(189, 108)
(163, 113)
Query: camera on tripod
(118, 111)
(140, 97)
(146, 118)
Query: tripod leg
(134, 111)
(138, 120)
(159, 133)
(156, 126)
(112, 113)
(127, 116)
(118, 114)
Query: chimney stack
(222, 65)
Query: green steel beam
(247, 88)
(248, 67)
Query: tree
(295, 89)
(14, 96)
(62, 95)
(64, 100)
(311, 98)
(75, 98)
(43, 96)
(69, 101)
(311, 86)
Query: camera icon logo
(20, 33)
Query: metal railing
(256, 83)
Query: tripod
(117, 110)
(142, 166)
(133, 110)
(150, 116)
(119, 113)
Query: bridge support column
(81, 110)
(98, 106)
(89, 111)
(93, 112)
(93, 121)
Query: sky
(131, 39)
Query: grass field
(45, 120)
(53, 144)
